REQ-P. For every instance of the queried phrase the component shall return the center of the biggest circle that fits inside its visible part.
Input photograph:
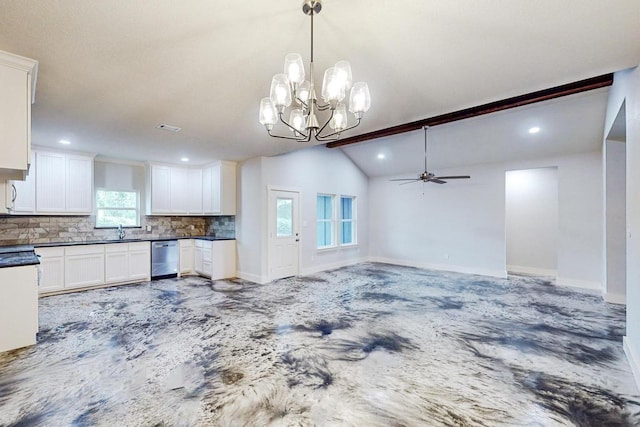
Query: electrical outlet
(148, 228)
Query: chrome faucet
(121, 232)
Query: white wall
(626, 88)
(321, 170)
(580, 221)
(615, 217)
(250, 221)
(532, 221)
(311, 170)
(460, 226)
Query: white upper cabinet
(178, 190)
(21, 195)
(51, 182)
(17, 86)
(160, 184)
(194, 191)
(219, 189)
(64, 183)
(79, 184)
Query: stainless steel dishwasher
(164, 259)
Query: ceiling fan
(427, 176)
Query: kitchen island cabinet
(18, 297)
(18, 307)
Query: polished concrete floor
(368, 345)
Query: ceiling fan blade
(453, 177)
(404, 179)
(411, 182)
(437, 181)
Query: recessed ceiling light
(381, 156)
(534, 129)
(184, 159)
(64, 142)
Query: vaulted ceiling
(110, 71)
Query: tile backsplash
(221, 226)
(18, 230)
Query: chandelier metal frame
(291, 87)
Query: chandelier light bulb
(303, 91)
(280, 91)
(268, 114)
(297, 120)
(359, 99)
(343, 74)
(333, 89)
(294, 68)
(339, 120)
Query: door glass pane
(284, 217)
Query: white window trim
(138, 210)
(353, 221)
(332, 221)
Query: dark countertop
(16, 256)
(153, 239)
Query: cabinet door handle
(14, 194)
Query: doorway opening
(615, 147)
(531, 217)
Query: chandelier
(292, 88)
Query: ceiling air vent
(165, 126)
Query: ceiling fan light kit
(427, 176)
(290, 89)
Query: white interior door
(284, 234)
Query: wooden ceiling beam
(492, 107)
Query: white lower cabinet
(206, 259)
(116, 262)
(187, 256)
(139, 261)
(73, 267)
(51, 275)
(223, 254)
(83, 266)
(197, 256)
(215, 259)
(18, 307)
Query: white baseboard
(255, 278)
(615, 298)
(531, 270)
(579, 283)
(331, 266)
(632, 357)
(502, 274)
